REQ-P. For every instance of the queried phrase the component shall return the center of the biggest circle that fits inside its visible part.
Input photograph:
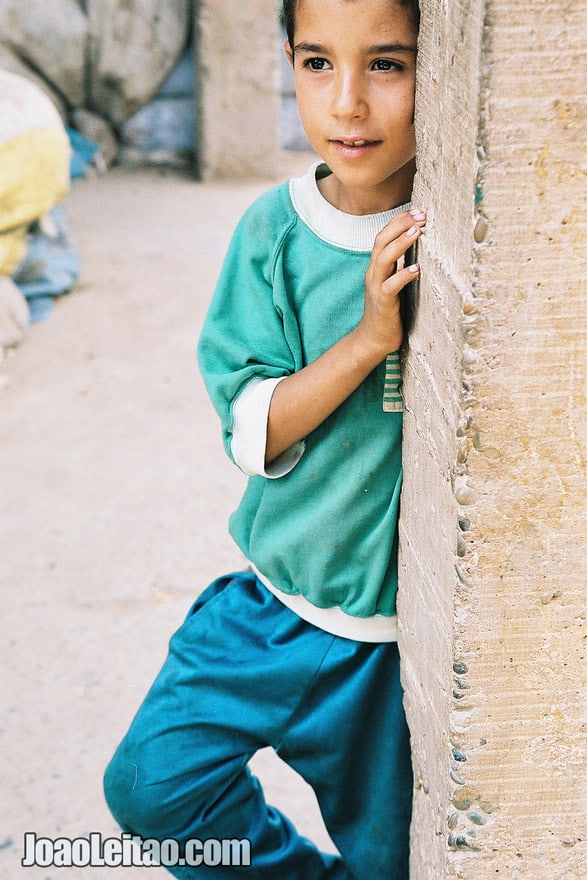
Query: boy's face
(355, 73)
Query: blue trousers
(244, 672)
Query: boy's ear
(288, 52)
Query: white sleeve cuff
(249, 432)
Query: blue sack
(50, 266)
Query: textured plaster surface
(493, 620)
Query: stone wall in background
(493, 530)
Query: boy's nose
(348, 100)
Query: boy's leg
(350, 741)
(236, 671)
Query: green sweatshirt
(320, 526)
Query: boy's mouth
(353, 143)
(353, 148)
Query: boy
(300, 652)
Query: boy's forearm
(302, 401)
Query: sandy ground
(115, 493)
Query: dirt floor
(114, 502)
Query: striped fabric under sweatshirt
(319, 525)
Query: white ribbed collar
(355, 232)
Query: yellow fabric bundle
(34, 163)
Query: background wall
(492, 617)
(239, 88)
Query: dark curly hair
(288, 15)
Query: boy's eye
(316, 64)
(385, 64)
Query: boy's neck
(363, 200)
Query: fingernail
(414, 269)
(412, 230)
(417, 215)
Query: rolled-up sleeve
(249, 432)
(248, 343)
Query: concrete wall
(239, 89)
(492, 617)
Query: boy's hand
(379, 331)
